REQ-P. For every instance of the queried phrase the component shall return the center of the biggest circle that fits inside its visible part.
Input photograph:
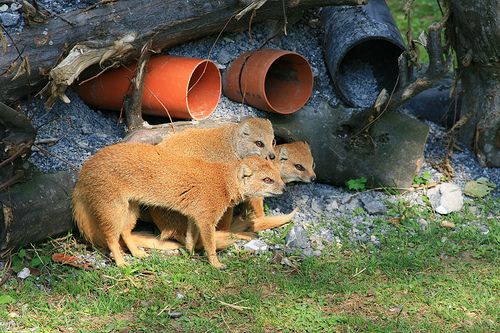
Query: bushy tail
(151, 241)
(86, 222)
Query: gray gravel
(327, 213)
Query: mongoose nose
(272, 156)
(313, 178)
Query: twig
(236, 307)
(224, 320)
(210, 52)
(98, 74)
(18, 153)
(14, 179)
(55, 14)
(45, 151)
(102, 2)
(19, 53)
(361, 271)
(133, 104)
(163, 310)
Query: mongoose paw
(121, 263)
(140, 253)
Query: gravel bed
(78, 132)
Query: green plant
(423, 179)
(356, 184)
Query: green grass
(424, 12)
(433, 280)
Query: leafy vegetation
(357, 184)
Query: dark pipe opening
(366, 69)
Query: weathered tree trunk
(36, 210)
(473, 28)
(114, 33)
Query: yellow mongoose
(226, 143)
(295, 162)
(119, 178)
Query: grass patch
(432, 280)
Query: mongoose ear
(245, 129)
(283, 154)
(244, 172)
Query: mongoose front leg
(114, 247)
(257, 205)
(207, 234)
(192, 235)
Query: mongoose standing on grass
(296, 164)
(226, 143)
(119, 178)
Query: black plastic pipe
(362, 45)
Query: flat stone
(255, 245)
(297, 237)
(316, 206)
(373, 206)
(24, 273)
(332, 205)
(446, 198)
(9, 19)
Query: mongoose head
(259, 178)
(296, 162)
(256, 137)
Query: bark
(474, 31)
(35, 210)
(115, 32)
(16, 137)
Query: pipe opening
(288, 83)
(366, 69)
(204, 90)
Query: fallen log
(114, 33)
(36, 210)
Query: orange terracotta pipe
(269, 79)
(189, 88)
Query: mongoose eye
(314, 165)
(299, 167)
(268, 180)
(259, 144)
(274, 143)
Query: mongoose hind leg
(192, 235)
(126, 234)
(225, 222)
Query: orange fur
(296, 164)
(118, 179)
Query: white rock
(332, 205)
(446, 198)
(4, 8)
(24, 273)
(316, 206)
(255, 245)
(15, 6)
